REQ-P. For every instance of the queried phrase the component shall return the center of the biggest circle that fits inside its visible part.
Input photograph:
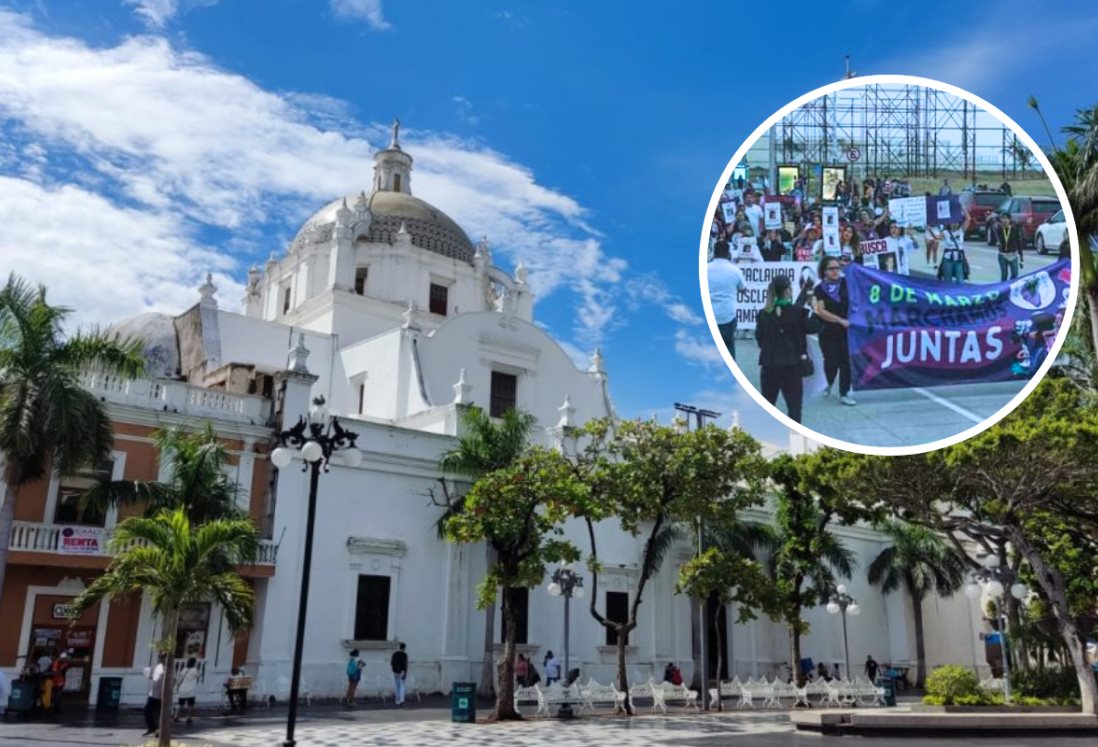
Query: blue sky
(143, 143)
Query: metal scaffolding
(900, 130)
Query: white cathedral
(383, 306)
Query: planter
(995, 709)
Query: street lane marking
(949, 405)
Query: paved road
(983, 261)
(325, 726)
(890, 417)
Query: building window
(287, 296)
(362, 397)
(617, 610)
(71, 490)
(360, 280)
(190, 635)
(396, 182)
(520, 603)
(439, 300)
(372, 608)
(504, 394)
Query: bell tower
(392, 166)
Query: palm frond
(658, 547)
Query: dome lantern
(392, 166)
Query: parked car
(1051, 234)
(1028, 213)
(979, 203)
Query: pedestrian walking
(522, 669)
(552, 668)
(353, 670)
(783, 347)
(188, 683)
(399, 665)
(156, 696)
(1011, 242)
(832, 305)
(871, 669)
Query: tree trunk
(486, 688)
(920, 641)
(7, 518)
(795, 652)
(505, 697)
(1092, 305)
(720, 654)
(1052, 583)
(170, 624)
(695, 645)
(623, 681)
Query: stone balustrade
(179, 397)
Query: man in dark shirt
(772, 249)
(399, 663)
(1011, 242)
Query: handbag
(807, 367)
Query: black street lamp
(997, 580)
(566, 583)
(317, 439)
(700, 416)
(842, 603)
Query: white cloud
(698, 349)
(465, 111)
(648, 291)
(361, 10)
(148, 130)
(156, 14)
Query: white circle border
(1073, 239)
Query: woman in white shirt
(188, 683)
(953, 253)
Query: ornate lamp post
(842, 603)
(996, 578)
(316, 439)
(566, 583)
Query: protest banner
(914, 332)
(758, 275)
(943, 210)
(729, 210)
(772, 215)
(908, 211)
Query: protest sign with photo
(772, 215)
(880, 254)
(908, 211)
(914, 332)
(729, 210)
(758, 276)
(943, 210)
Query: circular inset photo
(886, 264)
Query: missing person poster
(831, 178)
(772, 215)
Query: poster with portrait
(829, 182)
(772, 215)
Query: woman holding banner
(781, 331)
(833, 307)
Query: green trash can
(889, 685)
(110, 694)
(463, 702)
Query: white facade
(357, 294)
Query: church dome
(429, 227)
(161, 343)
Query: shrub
(952, 681)
(1057, 684)
(934, 700)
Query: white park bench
(593, 694)
(675, 693)
(648, 690)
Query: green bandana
(783, 302)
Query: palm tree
(484, 445)
(921, 562)
(47, 419)
(178, 564)
(197, 483)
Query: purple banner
(907, 332)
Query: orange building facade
(57, 547)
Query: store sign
(81, 541)
(61, 611)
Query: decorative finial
(483, 252)
(596, 363)
(207, 291)
(462, 390)
(271, 259)
(395, 127)
(298, 355)
(735, 420)
(521, 272)
(361, 203)
(566, 411)
(409, 317)
(403, 228)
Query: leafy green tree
(1040, 458)
(921, 562)
(811, 495)
(484, 444)
(519, 510)
(652, 480)
(177, 564)
(196, 483)
(47, 419)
